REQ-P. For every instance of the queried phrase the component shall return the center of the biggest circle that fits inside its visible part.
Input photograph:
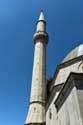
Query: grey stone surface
(67, 112)
(64, 72)
(79, 84)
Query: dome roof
(76, 52)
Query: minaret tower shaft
(36, 114)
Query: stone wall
(64, 72)
(66, 108)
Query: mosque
(58, 101)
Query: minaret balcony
(40, 36)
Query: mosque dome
(76, 52)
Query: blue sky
(17, 25)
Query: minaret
(36, 114)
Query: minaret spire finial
(42, 10)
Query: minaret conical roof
(41, 17)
